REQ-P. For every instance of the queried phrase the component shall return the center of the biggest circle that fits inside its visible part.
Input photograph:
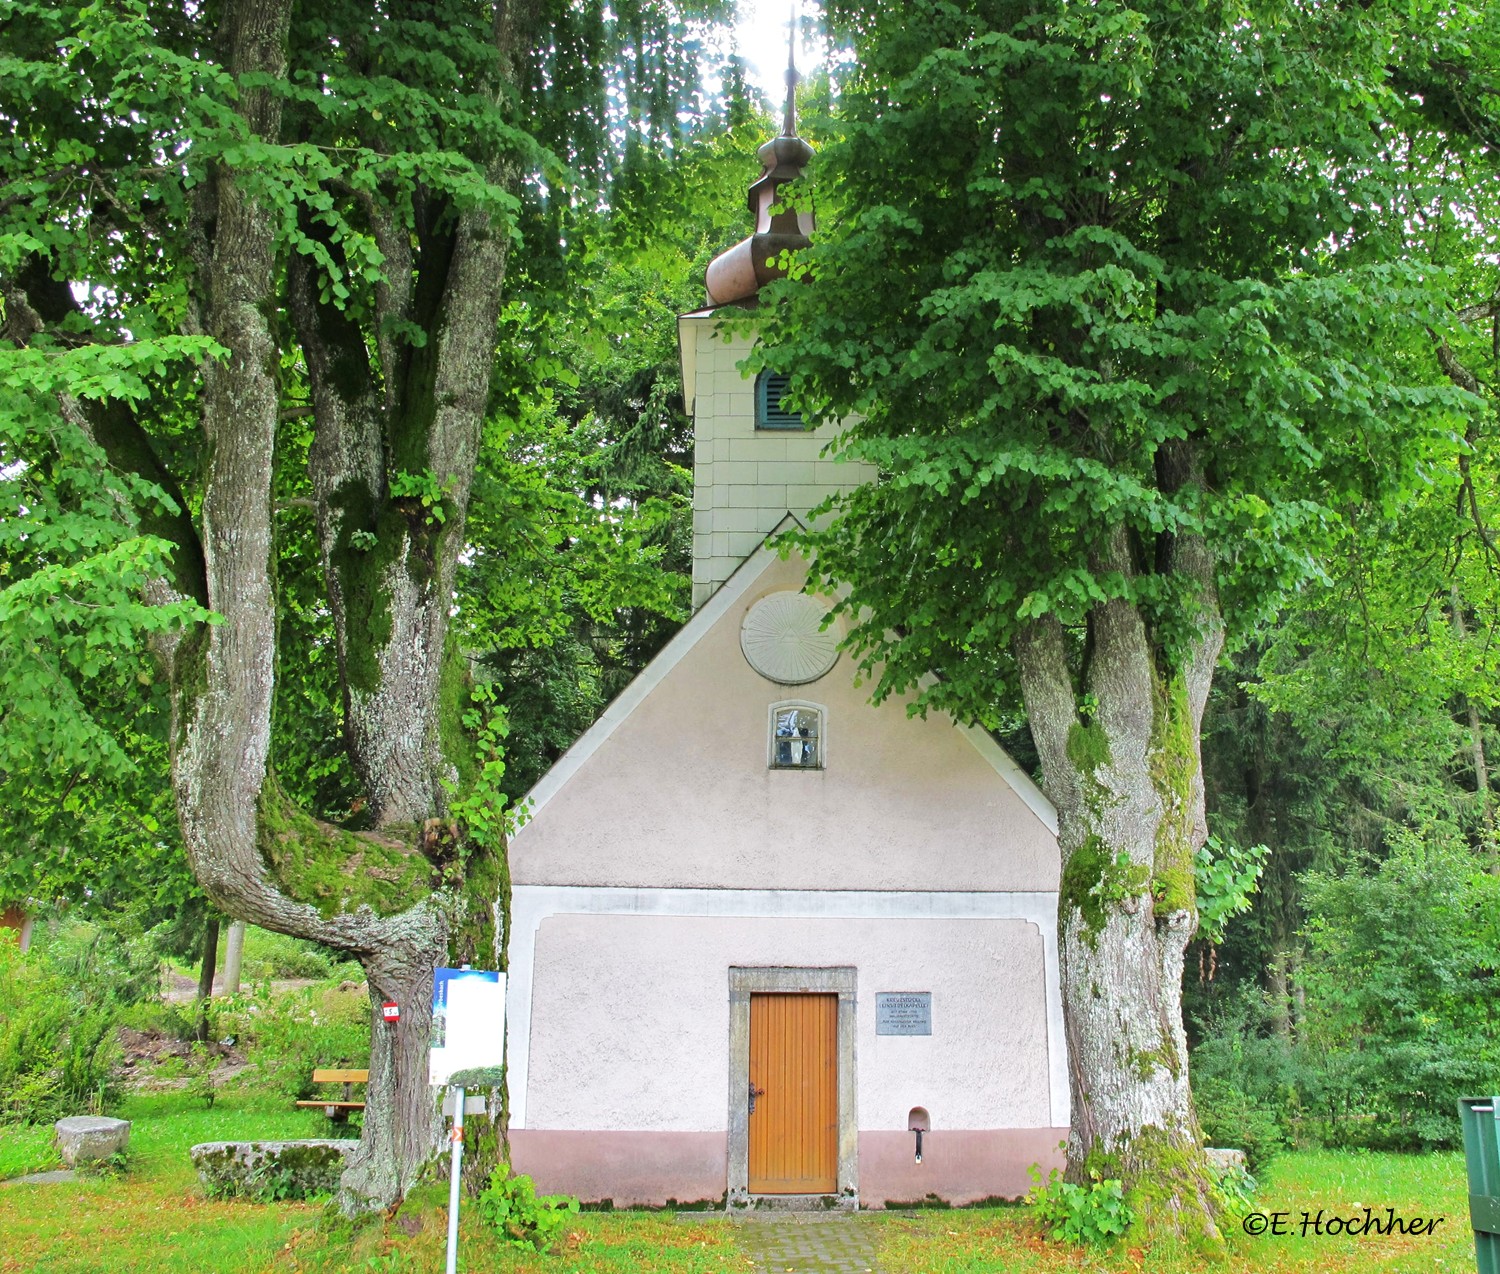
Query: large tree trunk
(409, 412)
(399, 397)
(247, 845)
(407, 1125)
(389, 560)
(1124, 774)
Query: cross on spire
(789, 119)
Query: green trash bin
(1481, 1119)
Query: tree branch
(1452, 368)
(38, 301)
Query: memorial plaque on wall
(903, 1013)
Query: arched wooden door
(794, 1103)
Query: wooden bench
(338, 1110)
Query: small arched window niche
(771, 411)
(798, 736)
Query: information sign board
(468, 1028)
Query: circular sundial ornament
(784, 640)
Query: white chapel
(771, 944)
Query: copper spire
(737, 274)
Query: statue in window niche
(796, 739)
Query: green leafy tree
(1113, 300)
(318, 205)
(83, 728)
(1402, 974)
(582, 500)
(1284, 781)
(1366, 712)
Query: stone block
(744, 543)
(746, 495)
(89, 1138)
(1222, 1161)
(761, 520)
(804, 447)
(271, 1170)
(737, 473)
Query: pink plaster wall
(634, 1169)
(960, 1166)
(652, 1169)
(680, 794)
(630, 1019)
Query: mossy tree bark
(349, 241)
(405, 897)
(1044, 313)
(1119, 746)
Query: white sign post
(455, 1170)
(467, 1051)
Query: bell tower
(754, 460)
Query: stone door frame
(745, 982)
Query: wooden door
(794, 1113)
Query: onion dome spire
(738, 273)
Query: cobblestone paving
(809, 1243)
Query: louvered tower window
(770, 390)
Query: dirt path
(143, 1052)
(178, 988)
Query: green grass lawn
(992, 1240)
(151, 1218)
(24, 1150)
(154, 1220)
